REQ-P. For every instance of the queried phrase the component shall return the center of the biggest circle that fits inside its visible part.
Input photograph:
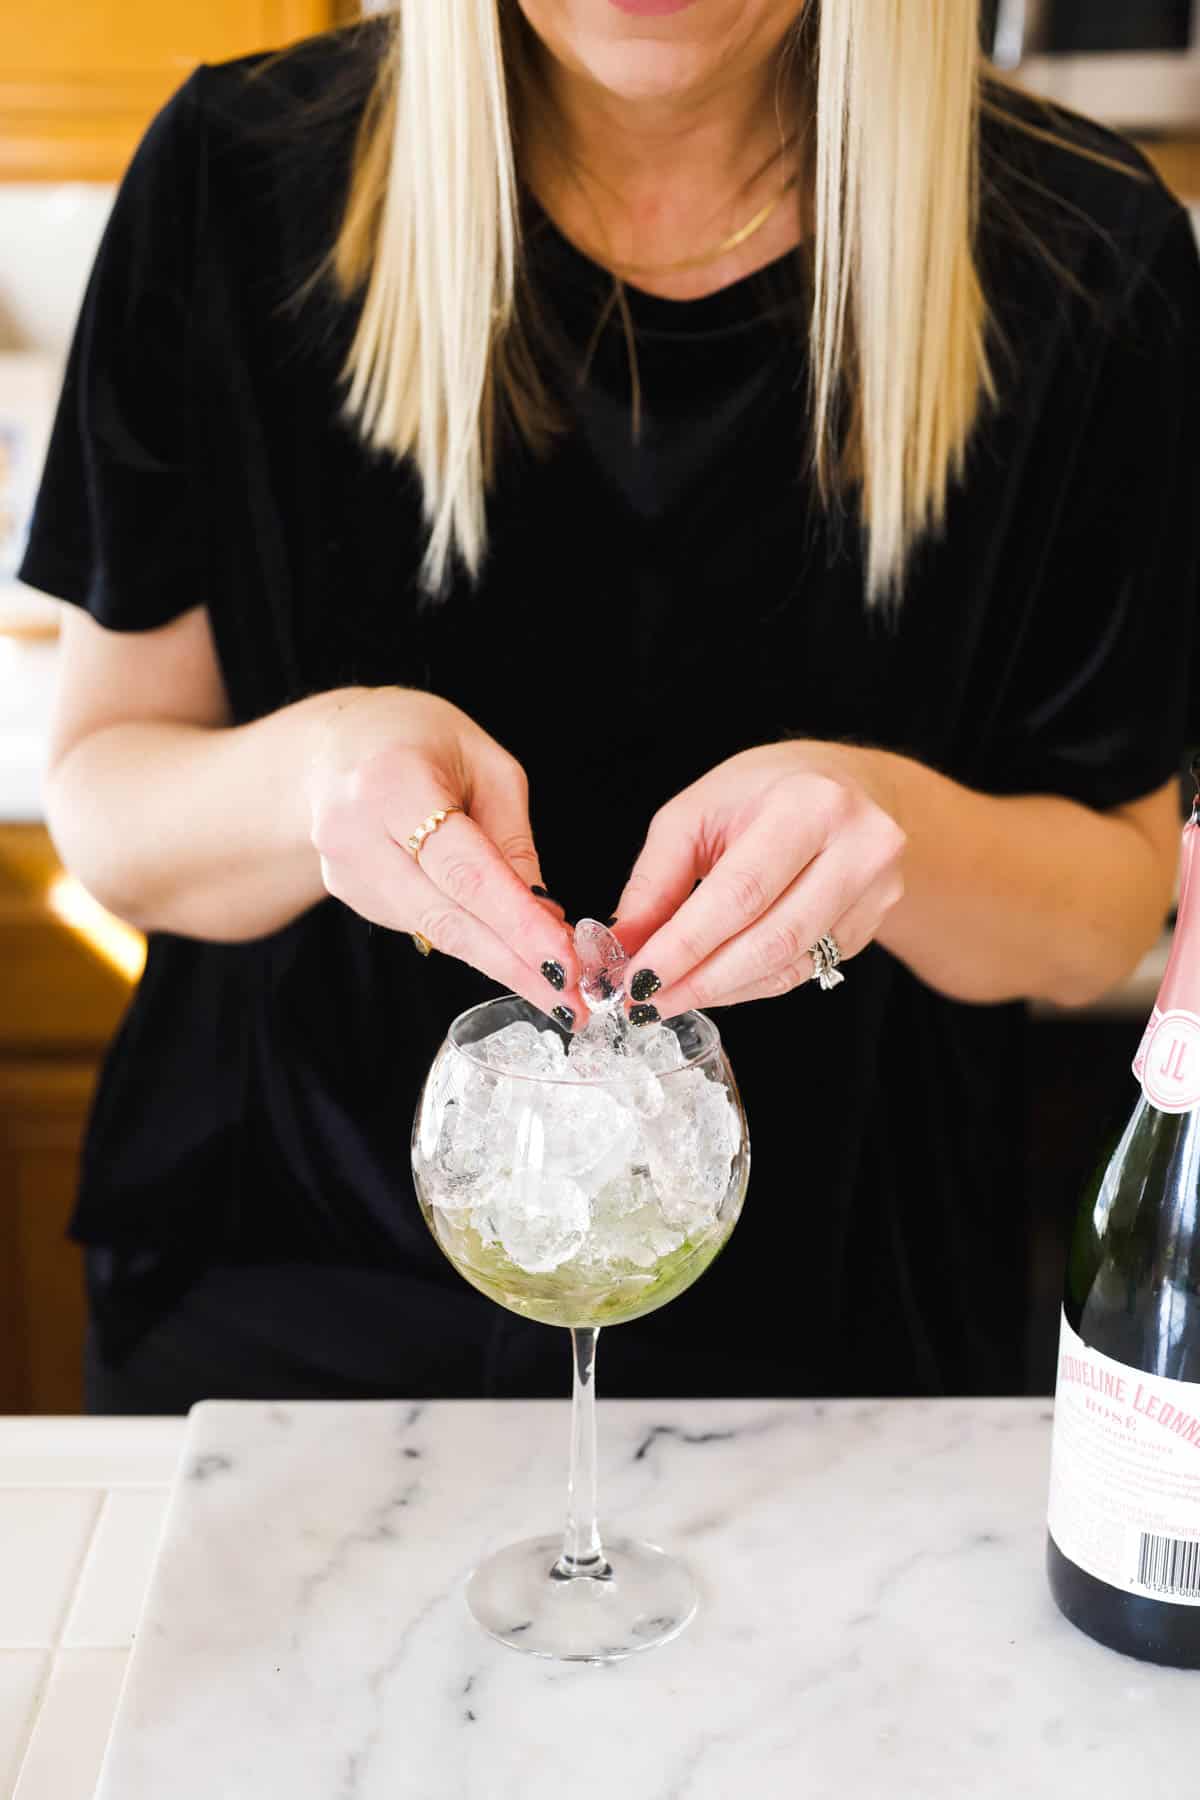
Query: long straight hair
(430, 238)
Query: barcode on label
(1169, 1565)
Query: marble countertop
(874, 1625)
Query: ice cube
(455, 1193)
(541, 1223)
(598, 1052)
(521, 1049)
(640, 1088)
(588, 1135)
(624, 1194)
(627, 1226)
(606, 1034)
(462, 1146)
(484, 1210)
(602, 962)
(716, 1124)
(688, 1197)
(688, 1149)
(589, 1062)
(658, 1047)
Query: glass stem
(582, 1551)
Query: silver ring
(826, 955)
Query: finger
(667, 868)
(384, 885)
(468, 868)
(856, 928)
(740, 890)
(772, 953)
(500, 807)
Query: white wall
(48, 237)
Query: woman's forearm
(1030, 896)
(193, 830)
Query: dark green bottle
(1123, 1551)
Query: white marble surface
(875, 1621)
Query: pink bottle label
(1171, 1068)
(1167, 1064)
(1139, 1061)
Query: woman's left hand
(792, 840)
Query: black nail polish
(541, 893)
(556, 975)
(644, 983)
(643, 1015)
(565, 1016)
(611, 922)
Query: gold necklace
(732, 242)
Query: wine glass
(582, 1200)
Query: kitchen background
(77, 84)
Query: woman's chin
(640, 68)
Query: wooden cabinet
(1177, 160)
(60, 1001)
(79, 81)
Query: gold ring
(421, 943)
(425, 829)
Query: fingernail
(556, 975)
(643, 1015)
(611, 922)
(565, 1016)
(541, 893)
(644, 983)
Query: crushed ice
(596, 1159)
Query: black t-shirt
(646, 610)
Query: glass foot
(646, 1599)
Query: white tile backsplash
(44, 1537)
(68, 1743)
(55, 1452)
(108, 1600)
(23, 1675)
(48, 237)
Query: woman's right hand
(381, 760)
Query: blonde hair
(430, 236)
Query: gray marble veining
(874, 1621)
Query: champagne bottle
(1123, 1548)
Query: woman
(730, 427)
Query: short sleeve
(112, 527)
(1102, 701)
